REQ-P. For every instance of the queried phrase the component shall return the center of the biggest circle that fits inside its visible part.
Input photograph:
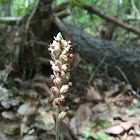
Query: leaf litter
(101, 111)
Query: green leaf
(94, 135)
(135, 106)
(83, 134)
(102, 135)
(102, 124)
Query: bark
(123, 56)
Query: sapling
(60, 53)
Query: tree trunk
(124, 57)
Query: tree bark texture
(126, 57)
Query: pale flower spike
(60, 53)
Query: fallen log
(118, 55)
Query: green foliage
(135, 106)
(97, 124)
(99, 135)
(20, 8)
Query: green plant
(135, 106)
(96, 124)
(60, 53)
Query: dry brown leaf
(93, 95)
(45, 120)
(119, 128)
(133, 138)
(114, 129)
(73, 125)
(127, 125)
(137, 129)
(82, 117)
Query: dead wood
(111, 19)
(120, 55)
(9, 20)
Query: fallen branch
(9, 19)
(111, 19)
(59, 7)
(63, 14)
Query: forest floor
(105, 109)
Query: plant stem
(57, 122)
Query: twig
(59, 7)
(111, 19)
(63, 14)
(123, 74)
(125, 78)
(37, 42)
(29, 19)
(10, 19)
(120, 71)
(31, 15)
(93, 74)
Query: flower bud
(55, 68)
(71, 55)
(62, 115)
(52, 76)
(51, 62)
(69, 42)
(61, 99)
(64, 58)
(55, 54)
(56, 102)
(65, 67)
(55, 91)
(66, 50)
(58, 63)
(57, 46)
(51, 100)
(65, 76)
(64, 89)
(58, 37)
(57, 81)
(66, 108)
(70, 84)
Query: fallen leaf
(114, 129)
(73, 126)
(127, 125)
(93, 95)
(30, 137)
(82, 116)
(45, 121)
(9, 115)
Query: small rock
(45, 121)
(23, 108)
(3, 93)
(9, 115)
(10, 128)
(30, 137)
(6, 103)
(15, 101)
(31, 131)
